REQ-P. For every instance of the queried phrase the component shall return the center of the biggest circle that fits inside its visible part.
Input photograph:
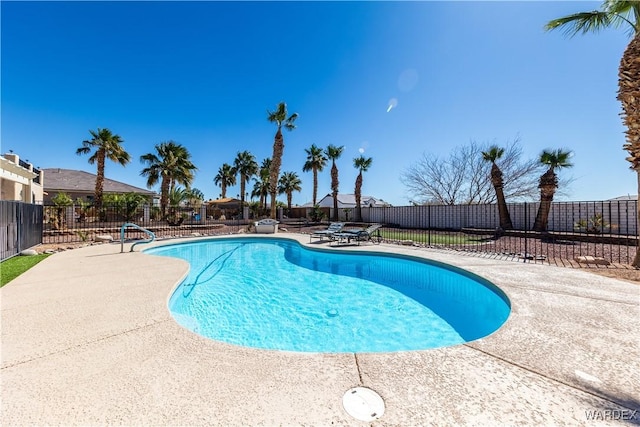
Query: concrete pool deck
(87, 339)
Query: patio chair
(369, 234)
(334, 227)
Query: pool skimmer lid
(363, 404)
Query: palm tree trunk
(315, 185)
(542, 217)
(498, 185)
(164, 195)
(223, 188)
(99, 180)
(358, 189)
(242, 185)
(276, 160)
(629, 97)
(289, 197)
(636, 259)
(334, 189)
(503, 211)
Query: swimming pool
(277, 294)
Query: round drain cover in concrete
(363, 404)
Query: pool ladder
(130, 224)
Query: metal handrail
(130, 224)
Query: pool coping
(87, 339)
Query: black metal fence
(20, 227)
(85, 223)
(577, 234)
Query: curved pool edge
(176, 285)
(297, 238)
(300, 239)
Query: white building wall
(18, 182)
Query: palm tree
(279, 117)
(289, 182)
(171, 165)
(177, 196)
(548, 185)
(333, 153)
(362, 164)
(261, 186)
(106, 146)
(245, 165)
(492, 155)
(194, 197)
(316, 161)
(617, 13)
(226, 177)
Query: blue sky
(204, 74)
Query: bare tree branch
(464, 177)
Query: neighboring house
(79, 184)
(624, 198)
(348, 201)
(20, 180)
(226, 203)
(223, 208)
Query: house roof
(223, 200)
(57, 179)
(627, 197)
(349, 200)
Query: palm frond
(556, 158)
(582, 22)
(492, 154)
(333, 152)
(94, 158)
(83, 150)
(153, 177)
(289, 182)
(625, 11)
(316, 159)
(149, 158)
(362, 163)
(279, 115)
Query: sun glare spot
(393, 103)
(587, 377)
(408, 80)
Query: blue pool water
(277, 294)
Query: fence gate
(20, 227)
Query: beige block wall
(21, 187)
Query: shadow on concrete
(617, 407)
